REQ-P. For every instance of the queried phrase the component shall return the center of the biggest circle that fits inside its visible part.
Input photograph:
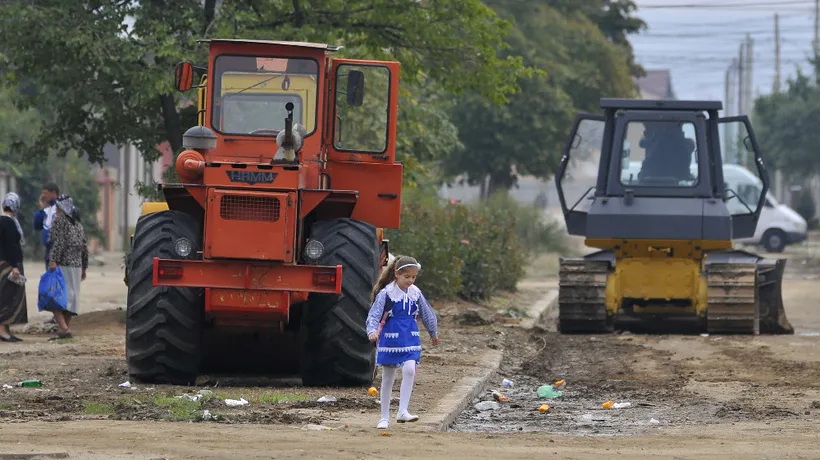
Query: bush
(805, 207)
(425, 235)
(474, 250)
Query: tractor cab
(654, 169)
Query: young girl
(397, 302)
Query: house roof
(657, 84)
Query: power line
(709, 25)
(726, 5)
(717, 34)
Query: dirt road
(712, 397)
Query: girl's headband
(417, 265)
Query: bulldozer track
(582, 296)
(732, 299)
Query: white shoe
(383, 424)
(407, 417)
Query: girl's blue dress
(400, 340)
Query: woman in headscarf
(69, 251)
(12, 291)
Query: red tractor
(274, 235)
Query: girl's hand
(373, 336)
(435, 341)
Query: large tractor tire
(163, 342)
(335, 348)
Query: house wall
(120, 204)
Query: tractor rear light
(169, 270)
(325, 278)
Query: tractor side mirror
(184, 76)
(355, 88)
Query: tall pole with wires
(747, 89)
(816, 42)
(776, 85)
(730, 109)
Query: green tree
(18, 128)
(785, 125)
(101, 81)
(581, 48)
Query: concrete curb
(466, 389)
(463, 393)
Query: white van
(778, 226)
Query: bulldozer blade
(769, 284)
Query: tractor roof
(322, 46)
(646, 104)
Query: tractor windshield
(250, 94)
(660, 154)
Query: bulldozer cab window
(743, 188)
(250, 94)
(659, 154)
(362, 127)
(581, 174)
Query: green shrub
(425, 235)
(805, 207)
(474, 250)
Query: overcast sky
(697, 39)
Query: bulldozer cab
(654, 170)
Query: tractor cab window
(659, 154)
(250, 94)
(362, 108)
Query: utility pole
(741, 71)
(776, 86)
(747, 88)
(730, 109)
(816, 40)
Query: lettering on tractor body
(276, 229)
(252, 177)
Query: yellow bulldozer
(644, 185)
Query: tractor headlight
(314, 250)
(183, 247)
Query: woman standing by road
(12, 290)
(69, 251)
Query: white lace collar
(395, 293)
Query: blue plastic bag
(52, 294)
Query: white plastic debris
(622, 405)
(586, 417)
(193, 398)
(487, 405)
(7, 386)
(652, 421)
(314, 427)
(704, 335)
(507, 383)
(206, 415)
(235, 403)
(327, 399)
(125, 384)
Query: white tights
(408, 374)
